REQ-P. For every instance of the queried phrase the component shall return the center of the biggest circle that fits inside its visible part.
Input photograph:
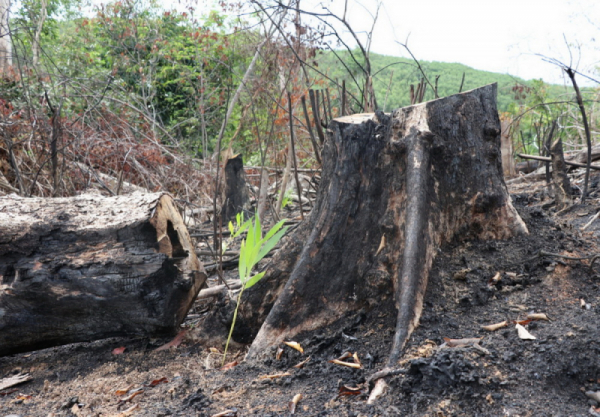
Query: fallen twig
(385, 372)
(588, 224)
(217, 289)
(542, 253)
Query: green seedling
(240, 226)
(286, 199)
(254, 248)
(235, 230)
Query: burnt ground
(508, 377)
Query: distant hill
(406, 72)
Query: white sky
(498, 36)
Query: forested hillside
(392, 77)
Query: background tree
(5, 45)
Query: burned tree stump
(90, 267)
(393, 190)
(560, 179)
(236, 198)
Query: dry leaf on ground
(538, 316)
(228, 365)
(349, 391)
(295, 345)
(496, 326)
(173, 343)
(124, 391)
(462, 342)
(156, 382)
(292, 405)
(523, 333)
(301, 364)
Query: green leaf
(257, 230)
(242, 263)
(274, 229)
(250, 238)
(243, 227)
(254, 279)
(270, 244)
(231, 230)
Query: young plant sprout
(254, 248)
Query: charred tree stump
(236, 194)
(393, 189)
(560, 179)
(90, 267)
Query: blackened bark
(414, 180)
(236, 194)
(560, 179)
(90, 267)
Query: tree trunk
(90, 267)
(560, 179)
(506, 148)
(5, 44)
(236, 194)
(393, 189)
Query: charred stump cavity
(393, 189)
(90, 267)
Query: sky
(500, 36)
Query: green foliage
(253, 249)
(180, 71)
(286, 199)
(164, 63)
(30, 12)
(240, 226)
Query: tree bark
(393, 189)
(90, 267)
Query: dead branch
(546, 159)
(586, 126)
(293, 148)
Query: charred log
(90, 267)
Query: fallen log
(90, 267)
(393, 189)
